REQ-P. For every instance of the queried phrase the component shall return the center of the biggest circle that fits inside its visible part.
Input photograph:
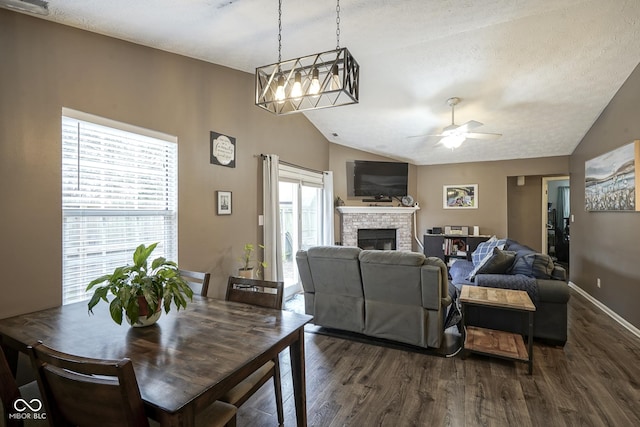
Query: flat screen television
(380, 180)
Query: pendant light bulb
(314, 88)
(296, 90)
(280, 90)
(335, 78)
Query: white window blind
(303, 176)
(119, 189)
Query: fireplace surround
(399, 219)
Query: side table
(490, 342)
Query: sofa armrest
(559, 273)
(435, 292)
(504, 281)
(547, 290)
(305, 271)
(518, 282)
(555, 291)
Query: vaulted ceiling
(538, 72)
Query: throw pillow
(496, 262)
(486, 248)
(484, 260)
(539, 266)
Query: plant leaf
(141, 255)
(98, 294)
(98, 280)
(132, 309)
(158, 262)
(166, 302)
(115, 308)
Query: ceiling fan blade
(470, 125)
(479, 135)
(425, 135)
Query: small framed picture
(463, 196)
(223, 149)
(224, 202)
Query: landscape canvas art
(463, 196)
(611, 182)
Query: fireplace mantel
(376, 209)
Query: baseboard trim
(615, 316)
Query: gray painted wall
(46, 66)
(491, 177)
(606, 245)
(524, 211)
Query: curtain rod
(293, 165)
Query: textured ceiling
(537, 71)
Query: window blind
(303, 176)
(119, 189)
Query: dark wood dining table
(184, 362)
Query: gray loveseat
(400, 296)
(545, 281)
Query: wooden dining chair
(264, 294)
(80, 391)
(10, 392)
(197, 281)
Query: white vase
(145, 319)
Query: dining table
(184, 362)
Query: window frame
(146, 204)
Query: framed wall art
(611, 182)
(463, 196)
(224, 202)
(223, 150)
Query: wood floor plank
(594, 380)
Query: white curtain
(327, 209)
(271, 213)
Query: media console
(451, 246)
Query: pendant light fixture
(322, 80)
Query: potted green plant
(140, 292)
(247, 270)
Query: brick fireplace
(354, 218)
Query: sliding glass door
(300, 225)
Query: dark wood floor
(593, 381)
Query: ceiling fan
(454, 135)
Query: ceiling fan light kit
(453, 141)
(454, 135)
(321, 80)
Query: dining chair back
(262, 293)
(9, 392)
(79, 391)
(197, 281)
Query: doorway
(556, 215)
